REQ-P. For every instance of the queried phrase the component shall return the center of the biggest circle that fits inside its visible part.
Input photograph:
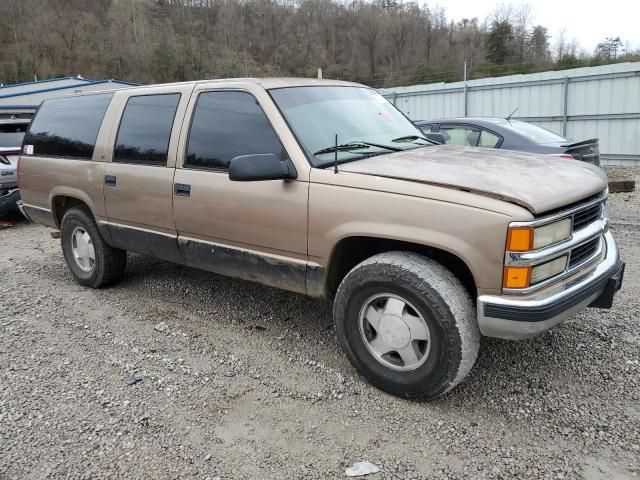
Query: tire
(9, 202)
(108, 265)
(432, 294)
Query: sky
(588, 21)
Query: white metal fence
(582, 103)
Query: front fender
(476, 236)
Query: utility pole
(465, 88)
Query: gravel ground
(178, 373)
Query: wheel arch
(352, 250)
(63, 200)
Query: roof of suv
(280, 82)
(483, 121)
(267, 83)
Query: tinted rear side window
(145, 129)
(226, 125)
(67, 127)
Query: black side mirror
(436, 137)
(260, 166)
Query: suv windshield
(536, 133)
(365, 122)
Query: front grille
(583, 252)
(585, 217)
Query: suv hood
(537, 182)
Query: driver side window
(225, 125)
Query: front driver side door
(252, 230)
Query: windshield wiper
(410, 138)
(345, 147)
(356, 145)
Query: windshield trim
(308, 154)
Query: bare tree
(380, 42)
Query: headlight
(523, 239)
(523, 277)
(548, 269)
(552, 233)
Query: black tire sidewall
(78, 218)
(429, 379)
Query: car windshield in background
(536, 133)
(365, 122)
(12, 134)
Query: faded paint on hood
(537, 182)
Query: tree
(499, 42)
(539, 44)
(610, 48)
(369, 33)
(379, 42)
(570, 61)
(521, 24)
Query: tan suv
(324, 188)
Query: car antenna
(335, 156)
(508, 117)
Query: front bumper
(507, 316)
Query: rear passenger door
(138, 180)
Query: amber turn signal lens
(520, 239)
(517, 277)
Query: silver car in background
(12, 132)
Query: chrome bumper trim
(540, 313)
(23, 210)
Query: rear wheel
(407, 324)
(91, 260)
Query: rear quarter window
(67, 127)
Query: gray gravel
(178, 373)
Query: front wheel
(407, 324)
